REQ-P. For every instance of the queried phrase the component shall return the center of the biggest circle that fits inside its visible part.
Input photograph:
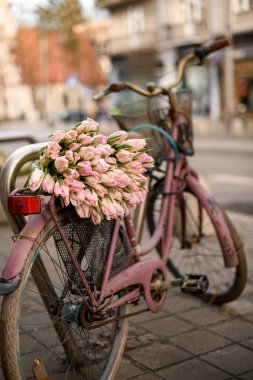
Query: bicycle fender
(216, 215)
(13, 269)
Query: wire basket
(90, 244)
(155, 111)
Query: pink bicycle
(70, 287)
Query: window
(192, 11)
(240, 6)
(135, 25)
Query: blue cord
(162, 132)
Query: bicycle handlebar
(203, 51)
(200, 52)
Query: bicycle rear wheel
(44, 320)
(200, 251)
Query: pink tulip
(100, 139)
(36, 179)
(117, 138)
(105, 150)
(89, 153)
(134, 167)
(95, 216)
(71, 135)
(90, 197)
(107, 208)
(111, 160)
(61, 164)
(71, 174)
(76, 157)
(52, 150)
(76, 198)
(136, 144)
(83, 210)
(100, 165)
(138, 178)
(84, 168)
(74, 184)
(116, 195)
(84, 139)
(58, 136)
(63, 191)
(122, 179)
(100, 189)
(89, 125)
(146, 160)
(69, 155)
(108, 179)
(124, 156)
(133, 187)
(74, 146)
(92, 180)
(48, 184)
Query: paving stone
(128, 370)
(233, 359)
(132, 343)
(247, 376)
(240, 307)
(147, 376)
(194, 368)
(158, 355)
(236, 330)
(168, 326)
(199, 341)
(247, 290)
(248, 317)
(58, 376)
(147, 316)
(205, 315)
(248, 343)
(146, 338)
(137, 340)
(181, 302)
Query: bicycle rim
(48, 327)
(201, 252)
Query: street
(227, 167)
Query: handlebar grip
(116, 87)
(203, 51)
(113, 87)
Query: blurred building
(58, 80)
(147, 38)
(12, 91)
(38, 77)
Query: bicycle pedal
(194, 283)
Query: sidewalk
(188, 339)
(192, 340)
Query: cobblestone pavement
(188, 339)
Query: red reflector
(24, 204)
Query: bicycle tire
(225, 284)
(27, 331)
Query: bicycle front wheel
(44, 320)
(196, 249)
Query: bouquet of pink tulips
(100, 176)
